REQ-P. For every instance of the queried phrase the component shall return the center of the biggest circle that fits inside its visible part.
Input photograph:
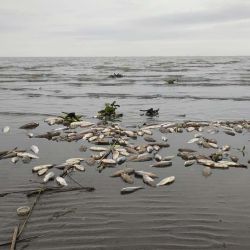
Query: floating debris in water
(22, 211)
(206, 171)
(6, 129)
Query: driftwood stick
(30, 212)
(59, 189)
(14, 238)
(21, 240)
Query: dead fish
(206, 162)
(229, 163)
(54, 120)
(228, 132)
(35, 149)
(148, 180)
(190, 129)
(61, 181)
(140, 173)
(87, 136)
(168, 158)
(193, 140)
(226, 148)
(156, 147)
(82, 124)
(108, 161)
(30, 125)
(127, 178)
(128, 190)
(73, 161)
(149, 139)
(42, 171)
(142, 158)
(6, 129)
(147, 131)
(79, 167)
(115, 154)
(206, 171)
(140, 133)
(220, 165)
(37, 168)
(212, 145)
(165, 181)
(198, 135)
(126, 171)
(150, 149)
(158, 157)
(49, 176)
(14, 159)
(121, 160)
(25, 154)
(93, 138)
(234, 158)
(162, 164)
(98, 149)
(129, 133)
(189, 163)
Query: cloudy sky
(124, 27)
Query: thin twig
(14, 238)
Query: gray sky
(124, 27)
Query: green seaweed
(109, 112)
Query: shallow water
(193, 213)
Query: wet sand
(195, 212)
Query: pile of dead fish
(113, 145)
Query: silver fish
(61, 181)
(148, 180)
(49, 176)
(98, 149)
(35, 149)
(79, 167)
(166, 181)
(158, 157)
(127, 178)
(37, 168)
(193, 140)
(25, 154)
(140, 173)
(162, 164)
(189, 163)
(168, 158)
(42, 171)
(128, 190)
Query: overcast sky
(124, 27)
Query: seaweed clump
(109, 112)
